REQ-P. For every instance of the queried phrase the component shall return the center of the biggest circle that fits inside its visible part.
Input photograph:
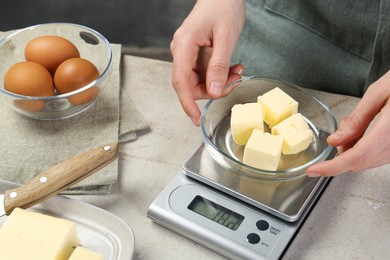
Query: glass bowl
(217, 137)
(91, 45)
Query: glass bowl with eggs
(53, 71)
(267, 129)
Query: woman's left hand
(361, 141)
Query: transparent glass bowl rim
(97, 81)
(254, 170)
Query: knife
(58, 178)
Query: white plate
(97, 229)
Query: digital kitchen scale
(237, 217)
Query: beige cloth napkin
(30, 146)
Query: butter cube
(277, 106)
(295, 132)
(263, 150)
(30, 235)
(245, 118)
(82, 253)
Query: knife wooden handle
(60, 177)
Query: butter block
(27, 235)
(82, 253)
(296, 134)
(277, 106)
(263, 150)
(245, 118)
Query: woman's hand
(359, 148)
(202, 48)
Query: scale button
(262, 225)
(253, 238)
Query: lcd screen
(216, 213)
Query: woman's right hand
(202, 48)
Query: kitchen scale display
(238, 217)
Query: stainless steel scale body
(237, 217)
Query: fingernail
(195, 121)
(313, 174)
(216, 88)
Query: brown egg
(30, 105)
(29, 79)
(50, 51)
(73, 74)
(85, 96)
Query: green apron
(339, 46)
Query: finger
(366, 153)
(231, 84)
(184, 55)
(351, 160)
(343, 148)
(336, 166)
(219, 63)
(235, 73)
(192, 111)
(237, 69)
(351, 128)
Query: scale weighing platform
(237, 217)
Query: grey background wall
(143, 26)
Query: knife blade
(58, 178)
